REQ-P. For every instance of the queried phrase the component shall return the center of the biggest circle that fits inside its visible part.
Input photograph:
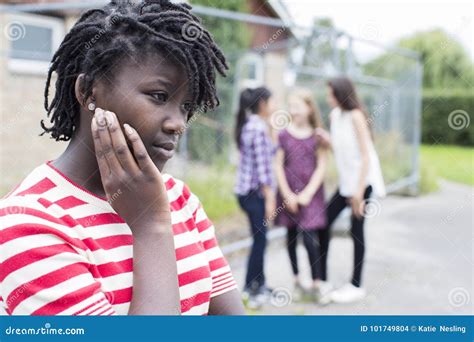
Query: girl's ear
(79, 90)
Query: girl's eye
(160, 97)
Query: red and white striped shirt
(65, 251)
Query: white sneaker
(324, 292)
(348, 294)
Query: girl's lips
(164, 150)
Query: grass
(214, 187)
(454, 163)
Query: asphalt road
(419, 260)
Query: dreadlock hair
(122, 30)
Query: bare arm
(289, 197)
(280, 173)
(363, 137)
(228, 303)
(143, 204)
(317, 177)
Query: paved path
(419, 259)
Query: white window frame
(36, 67)
(255, 59)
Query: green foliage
(233, 37)
(445, 62)
(448, 117)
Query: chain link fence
(283, 56)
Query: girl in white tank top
(359, 174)
(348, 159)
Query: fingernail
(109, 116)
(128, 128)
(100, 117)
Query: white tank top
(347, 155)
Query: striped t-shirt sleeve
(222, 278)
(44, 270)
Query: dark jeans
(254, 206)
(335, 206)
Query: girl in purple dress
(301, 165)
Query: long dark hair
(250, 100)
(345, 93)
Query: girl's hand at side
(357, 205)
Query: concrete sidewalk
(419, 259)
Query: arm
(316, 179)
(280, 172)
(228, 303)
(288, 195)
(263, 152)
(363, 137)
(143, 204)
(155, 279)
(324, 135)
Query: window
(33, 40)
(251, 70)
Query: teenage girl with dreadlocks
(84, 232)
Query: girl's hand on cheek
(132, 183)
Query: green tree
(446, 64)
(233, 37)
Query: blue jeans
(253, 204)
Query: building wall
(21, 109)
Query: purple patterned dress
(299, 165)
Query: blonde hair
(306, 95)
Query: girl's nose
(175, 123)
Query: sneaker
(300, 293)
(265, 292)
(348, 294)
(256, 301)
(323, 292)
